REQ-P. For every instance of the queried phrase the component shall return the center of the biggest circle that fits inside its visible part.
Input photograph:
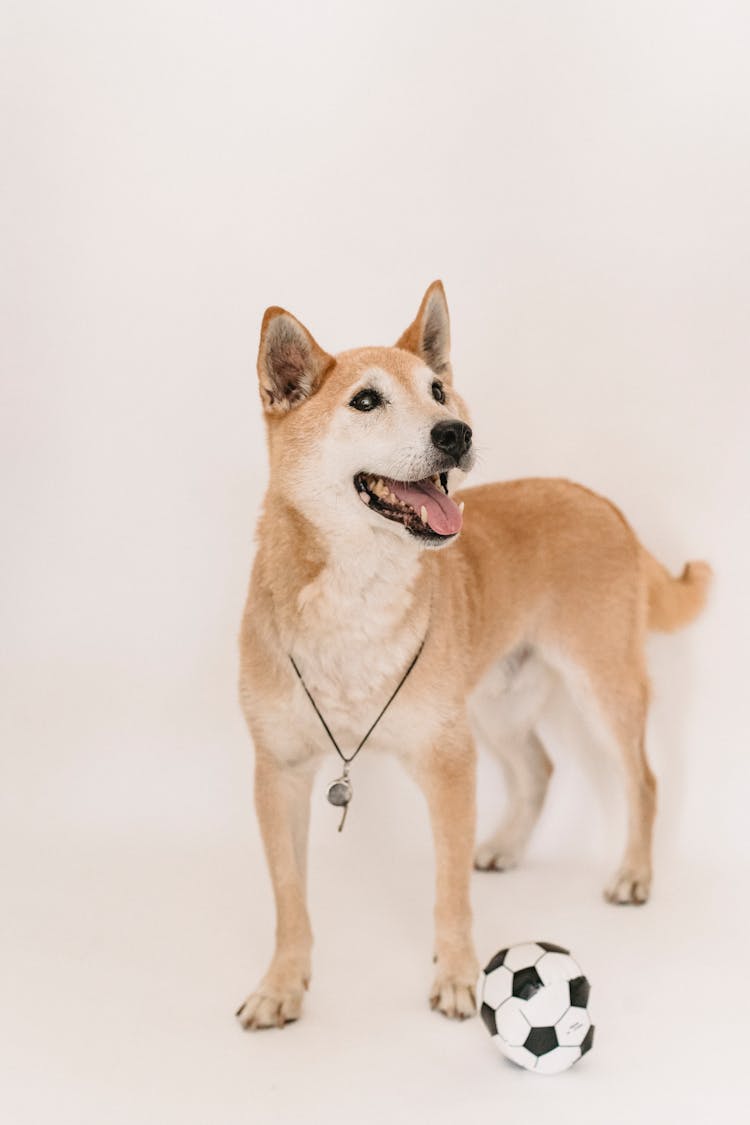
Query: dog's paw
(277, 1001)
(497, 854)
(454, 989)
(454, 998)
(629, 885)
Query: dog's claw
(629, 887)
(274, 1004)
(261, 1011)
(495, 855)
(454, 997)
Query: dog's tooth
(423, 514)
(364, 497)
(461, 507)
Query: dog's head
(373, 434)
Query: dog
(369, 562)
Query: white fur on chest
(358, 629)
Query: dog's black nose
(452, 437)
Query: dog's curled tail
(674, 602)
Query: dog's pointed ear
(291, 364)
(429, 334)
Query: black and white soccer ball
(534, 1003)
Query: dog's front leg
(282, 801)
(447, 775)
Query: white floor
(124, 961)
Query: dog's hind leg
(625, 704)
(504, 711)
(632, 880)
(527, 770)
(612, 689)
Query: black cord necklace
(340, 791)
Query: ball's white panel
(572, 1027)
(497, 987)
(523, 956)
(557, 1060)
(518, 1055)
(548, 1005)
(557, 966)
(511, 1025)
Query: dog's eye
(437, 392)
(366, 400)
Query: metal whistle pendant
(340, 793)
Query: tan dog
(545, 579)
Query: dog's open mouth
(422, 506)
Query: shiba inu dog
(366, 556)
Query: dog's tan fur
(545, 577)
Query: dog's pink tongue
(443, 515)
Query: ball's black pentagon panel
(496, 961)
(588, 1041)
(488, 1018)
(540, 1040)
(526, 982)
(579, 992)
(551, 948)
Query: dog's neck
(353, 606)
(367, 582)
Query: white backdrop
(578, 175)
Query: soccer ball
(533, 1001)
